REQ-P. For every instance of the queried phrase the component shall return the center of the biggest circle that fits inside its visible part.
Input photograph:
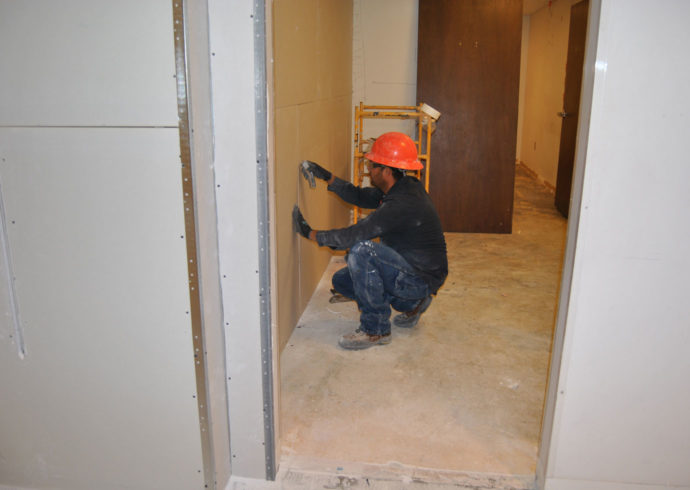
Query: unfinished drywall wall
(312, 49)
(105, 395)
(622, 398)
(543, 88)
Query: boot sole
(361, 346)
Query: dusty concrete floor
(458, 398)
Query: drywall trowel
(304, 168)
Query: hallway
(458, 397)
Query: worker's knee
(360, 253)
(365, 247)
(342, 281)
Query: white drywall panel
(7, 316)
(576, 484)
(231, 33)
(388, 51)
(105, 396)
(623, 395)
(10, 326)
(87, 63)
(199, 85)
(559, 348)
(385, 59)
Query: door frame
(571, 102)
(558, 354)
(239, 82)
(229, 99)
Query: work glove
(311, 169)
(300, 224)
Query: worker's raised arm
(364, 197)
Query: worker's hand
(300, 224)
(314, 170)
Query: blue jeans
(378, 277)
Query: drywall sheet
(105, 396)
(10, 325)
(621, 418)
(236, 156)
(87, 63)
(313, 121)
(201, 117)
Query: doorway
(459, 395)
(329, 375)
(571, 104)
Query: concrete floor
(456, 400)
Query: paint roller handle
(312, 169)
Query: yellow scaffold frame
(426, 119)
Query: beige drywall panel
(105, 396)
(544, 83)
(312, 49)
(385, 59)
(287, 295)
(87, 63)
(313, 121)
(621, 418)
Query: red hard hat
(395, 150)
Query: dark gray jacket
(405, 219)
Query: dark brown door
(571, 104)
(468, 67)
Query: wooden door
(571, 104)
(468, 67)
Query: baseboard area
(536, 176)
(299, 472)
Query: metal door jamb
(190, 237)
(261, 119)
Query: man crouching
(409, 264)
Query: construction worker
(409, 264)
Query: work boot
(359, 340)
(409, 319)
(336, 297)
